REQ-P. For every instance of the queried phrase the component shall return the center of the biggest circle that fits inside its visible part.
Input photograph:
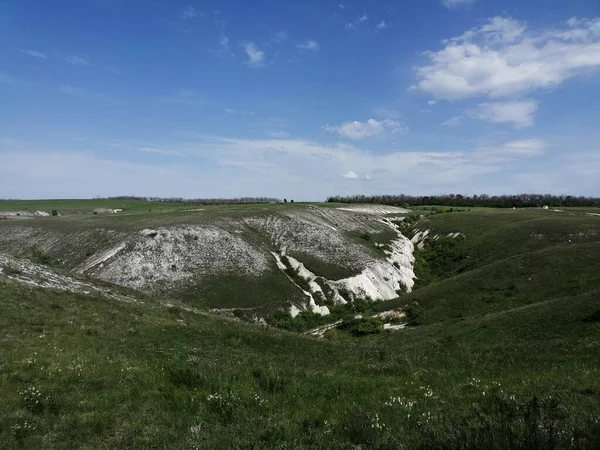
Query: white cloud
(35, 54)
(309, 45)
(350, 175)
(362, 130)
(517, 113)
(224, 44)
(239, 111)
(381, 26)
(280, 36)
(77, 61)
(526, 147)
(450, 4)
(431, 102)
(256, 57)
(189, 13)
(143, 148)
(295, 168)
(453, 121)
(358, 21)
(340, 6)
(506, 58)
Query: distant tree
(285, 200)
(292, 201)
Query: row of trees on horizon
(202, 201)
(493, 201)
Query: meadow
(503, 351)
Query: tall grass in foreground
(85, 372)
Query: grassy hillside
(503, 259)
(504, 351)
(84, 372)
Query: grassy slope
(115, 375)
(508, 259)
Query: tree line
(201, 201)
(493, 201)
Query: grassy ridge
(115, 375)
(505, 259)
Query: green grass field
(503, 353)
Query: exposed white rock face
(169, 255)
(380, 280)
(375, 209)
(34, 274)
(97, 260)
(23, 214)
(173, 256)
(320, 233)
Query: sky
(299, 100)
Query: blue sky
(298, 99)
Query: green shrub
(438, 260)
(363, 326)
(304, 321)
(40, 256)
(414, 314)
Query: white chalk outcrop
(168, 255)
(375, 209)
(33, 274)
(380, 280)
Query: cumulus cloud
(431, 102)
(506, 57)
(362, 130)
(77, 61)
(450, 4)
(256, 57)
(309, 45)
(350, 175)
(517, 113)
